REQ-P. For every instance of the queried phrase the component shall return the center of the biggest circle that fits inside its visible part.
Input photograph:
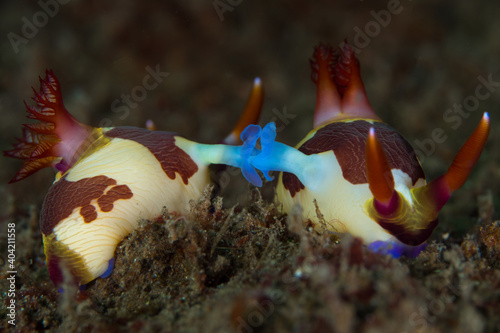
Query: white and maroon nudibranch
(110, 178)
(364, 176)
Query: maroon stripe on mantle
(347, 140)
(64, 196)
(162, 145)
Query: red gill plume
(55, 140)
(340, 90)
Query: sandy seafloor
(236, 263)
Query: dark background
(418, 65)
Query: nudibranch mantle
(361, 174)
(111, 178)
(339, 149)
(111, 190)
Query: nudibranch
(110, 178)
(361, 174)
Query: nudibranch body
(110, 178)
(363, 175)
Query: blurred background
(418, 59)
